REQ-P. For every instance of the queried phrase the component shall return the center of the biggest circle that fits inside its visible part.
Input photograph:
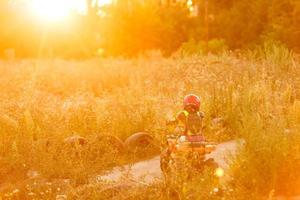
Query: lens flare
(219, 172)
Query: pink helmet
(191, 100)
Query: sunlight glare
(50, 10)
(104, 2)
(57, 10)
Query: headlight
(219, 172)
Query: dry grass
(257, 96)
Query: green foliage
(129, 28)
(136, 26)
(214, 46)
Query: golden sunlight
(57, 10)
(104, 2)
(50, 10)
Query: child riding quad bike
(187, 148)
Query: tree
(137, 26)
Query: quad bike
(185, 158)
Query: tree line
(130, 27)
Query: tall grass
(254, 97)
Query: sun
(50, 10)
(58, 10)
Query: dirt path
(146, 172)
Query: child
(189, 121)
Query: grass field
(255, 94)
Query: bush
(213, 46)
